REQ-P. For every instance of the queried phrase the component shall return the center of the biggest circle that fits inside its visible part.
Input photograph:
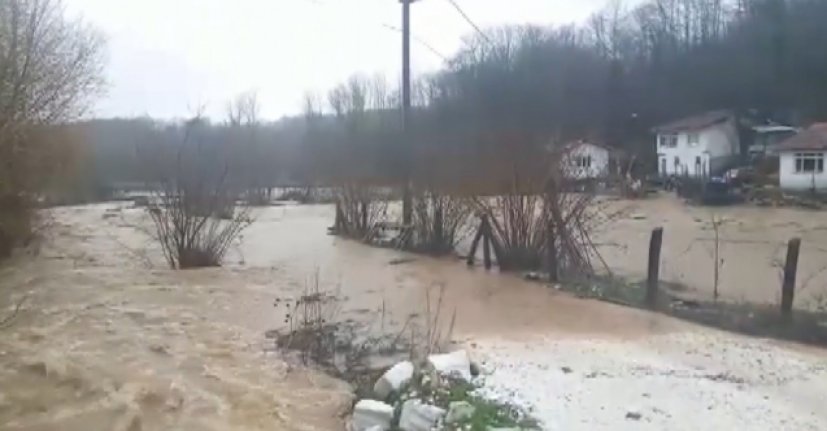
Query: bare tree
(196, 211)
(50, 69)
(244, 136)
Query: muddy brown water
(109, 339)
(752, 248)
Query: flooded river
(109, 339)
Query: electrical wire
(469, 20)
(394, 28)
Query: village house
(801, 160)
(587, 161)
(699, 146)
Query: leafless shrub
(438, 221)
(195, 212)
(429, 335)
(359, 209)
(548, 211)
(315, 330)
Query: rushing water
(109, 339)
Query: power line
(387, 26)
(469, 20)
(419, 40)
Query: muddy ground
(110, 339)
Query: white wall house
(704, 145)
(587, 161)
(801, 160)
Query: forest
(511, 90)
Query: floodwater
(110, 339)
(751, 248)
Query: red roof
(814, 138)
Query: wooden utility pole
(407, 198)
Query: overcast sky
(166, 57)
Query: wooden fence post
(551, 247)
(486, 243)
(472, 253)
(339, 223)
(654, 267)
(790, 269)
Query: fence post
(551, 247)
(339, 222)
(472, 253)
(486, 243)
(790, 269)
(654, 267)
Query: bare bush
(317, 334)
(196, 213)
(438, 221)
(547, 211)
(359, 209)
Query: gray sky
(167, 57)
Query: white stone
(459, 411)
(371, 415)
(417, 416)
(394, 379)
(452, 364)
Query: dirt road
(110, 339)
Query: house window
(583, 161)
(668, 141)
(677, 162)
(693, 139)
(809, 163)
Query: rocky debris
(455, 364)
(532, 276)
(475, 369)
(418, 416)
(459, 411)
(370, 415)
(633, 415)
(394, 379)
(437, 393)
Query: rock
(417, 416)
(452, 364)
(475, 369)
(567, 370)
(459, 411)
(633, 415)
(394, 379)
(532, 276)
(371, 415)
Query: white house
(801, 160)
(703, 145)
(587, 160)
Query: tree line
(513, 90)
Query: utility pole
(407, 198)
